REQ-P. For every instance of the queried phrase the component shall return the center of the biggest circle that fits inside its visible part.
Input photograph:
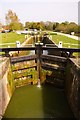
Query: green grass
(33, 102)
(64, 39)
(11, 38)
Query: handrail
(16, 49)
(43, 48)
(61, 49)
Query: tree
(34, 25)
(72, 27)
(61, 28)
(27, 25)
(55, 25)
(65, 23)
(79, 29)
(11, 17)
(42, 25)
(12, 21)
(49, 25)
(16, 26)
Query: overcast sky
(41, 10)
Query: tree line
(13, 23)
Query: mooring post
(7, 53)
(38, 60)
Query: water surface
(33, 102)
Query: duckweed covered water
(33, 102)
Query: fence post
(38, 60)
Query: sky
(41, 10)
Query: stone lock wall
(6, 85)
(72, 85)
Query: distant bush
(53, 33)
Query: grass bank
(11, 37)
(67, 42)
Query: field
(66, 41)
(10, 38)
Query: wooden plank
(22, 58)
(23, 77)
(53, 58)
(51, 67)
(24, 68)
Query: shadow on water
(33, 102)
(55, 104)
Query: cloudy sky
(41, 10)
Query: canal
(44, 102)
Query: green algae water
(33, 102)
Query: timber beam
(22, 58)
(25, 68)
(53, 58)
(51, 67)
